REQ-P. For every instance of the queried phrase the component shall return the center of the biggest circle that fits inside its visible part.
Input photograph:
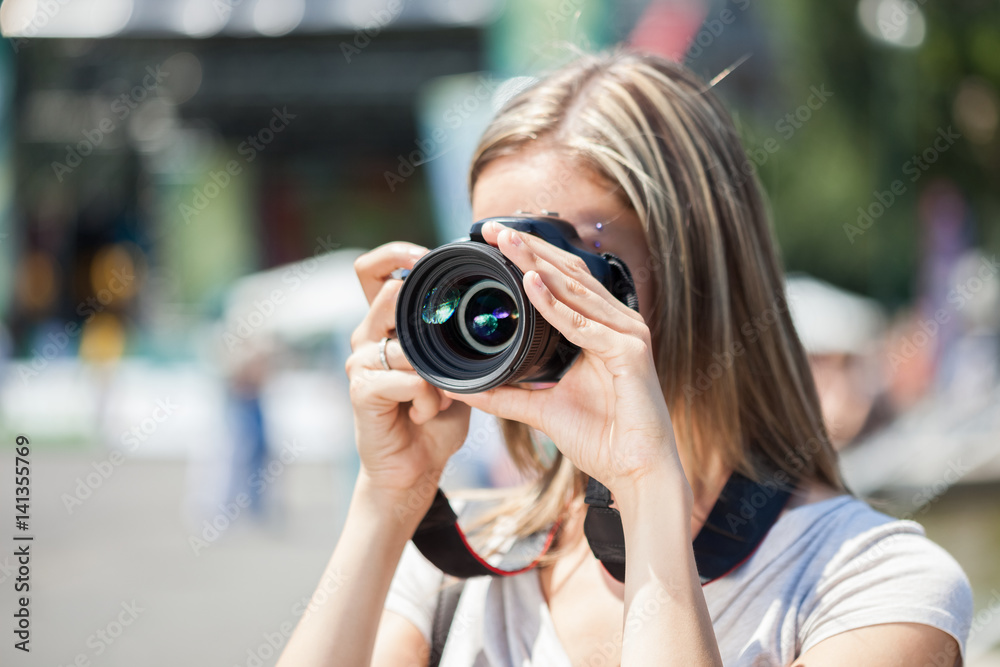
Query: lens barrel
(466, 325)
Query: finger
(367, 356)
(374, 267)
(582, 331)
(446, 400)
(570, 289)
(393, 356)
(381, 318)
(523, 405)
(426, 405)
(379, 389)
(559, 259)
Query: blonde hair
(733, 372)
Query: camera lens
(480, 316)
(466, 325)
(488, 317)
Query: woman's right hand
(405, 428)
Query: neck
(706, 488)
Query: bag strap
(444, 615)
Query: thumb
(523, 405)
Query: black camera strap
(620, 282)
(737, 524)
(441, 540)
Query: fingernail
(515, 239)
(536, 279)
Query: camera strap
(737, 524)
(620, 283)
(441, 540)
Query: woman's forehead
(534, 181)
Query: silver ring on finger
(381, 353)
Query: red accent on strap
(509, 573)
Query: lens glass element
(439, 305)
(474, 318)
(489, 316)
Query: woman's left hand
(607, 415)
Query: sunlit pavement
(118, 583)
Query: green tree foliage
(888, 105)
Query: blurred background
(184, 185)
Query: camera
(465, 323)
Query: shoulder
(859, 539)
(877, 570)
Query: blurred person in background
(248, 366)
(952, 354)
(649, 153)
(909, 369)
(842, 334)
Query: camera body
(465, 323)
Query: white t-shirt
(824, 568)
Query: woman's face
(538, 179)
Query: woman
(662, 407)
